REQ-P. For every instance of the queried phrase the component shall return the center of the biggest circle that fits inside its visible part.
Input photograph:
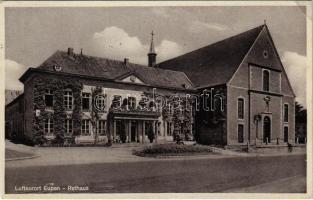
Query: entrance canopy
(134, 114)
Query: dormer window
(266, 80)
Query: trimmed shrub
(171, 149)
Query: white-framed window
(85, 129)
(240, 130)
(49, 98)
(101, 127)
(240, 108)
(266, 80)
(68, 100)
(68, 125)
(286, 112)
(49, 126)
(86, 101)
(131, 102)
(169, 129)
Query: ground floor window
(68, 125)
(286, 134)
(240, 133)
(158, 128)
(85, 127)
(169, 129)
(101, 127)
(49, 126)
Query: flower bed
(172, 150)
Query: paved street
(164, 175)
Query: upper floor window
(68, 100)
(101, 127)
(68, 125)
(85, 127)
(131, 102)
(49, 126)
(240, 104)
(286, 111)
(49, 98)
(266, 80)
(86, 101)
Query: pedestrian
(289, 147)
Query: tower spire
(152, 55)
(152, 44)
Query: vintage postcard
(157, 99)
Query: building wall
(110, 89)
(247, 83)
(14, 115)
(29, 108)
(233, 93)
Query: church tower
(152, 55)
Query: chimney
(126, 61)
(70, 51)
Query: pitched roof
(10, 95)
(113, 69)
(216, 63)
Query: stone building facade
(232, 92)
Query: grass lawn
(172, 150)
(11, 154)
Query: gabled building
(241, 88)
(259, 103)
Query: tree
(301, 120)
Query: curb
(22, 158)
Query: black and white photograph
(157, 98)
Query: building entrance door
(266, 129)
(121, 131)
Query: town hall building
(232, 92)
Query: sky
(34, 34)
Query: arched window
(286, 112)
(266, 80)
(240, 108)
